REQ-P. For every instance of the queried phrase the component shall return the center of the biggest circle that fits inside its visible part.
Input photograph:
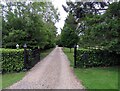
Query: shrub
(12, 60)
(97, 58)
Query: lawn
(95, 78)
(98, 78)
(10, 78)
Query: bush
(12, 60)
(49, 46)
(97, 58)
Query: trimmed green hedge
(97, 58)
(12, 60)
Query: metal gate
(31, 57)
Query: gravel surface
(53, 72)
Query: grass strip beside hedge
(44, 53)
(95, 78)
(69, 55)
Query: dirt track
(53, 72)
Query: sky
(58, 4)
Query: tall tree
(103, 30)
(69, 36)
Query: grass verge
(69, 55)
(44, 53)
(10, 78)
(95, 78)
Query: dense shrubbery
(97, 58)
(12, 60)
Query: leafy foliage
(101, 31)
(97, 58)
(81, 9)
(58, 41)
(96, 27)
(69, 36)
(31, 23)
(12, 60)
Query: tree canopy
(97, 23)
(69, 35)
(32, 23)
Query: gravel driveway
(53, 72)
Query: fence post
(75, 52)
(25, 56)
